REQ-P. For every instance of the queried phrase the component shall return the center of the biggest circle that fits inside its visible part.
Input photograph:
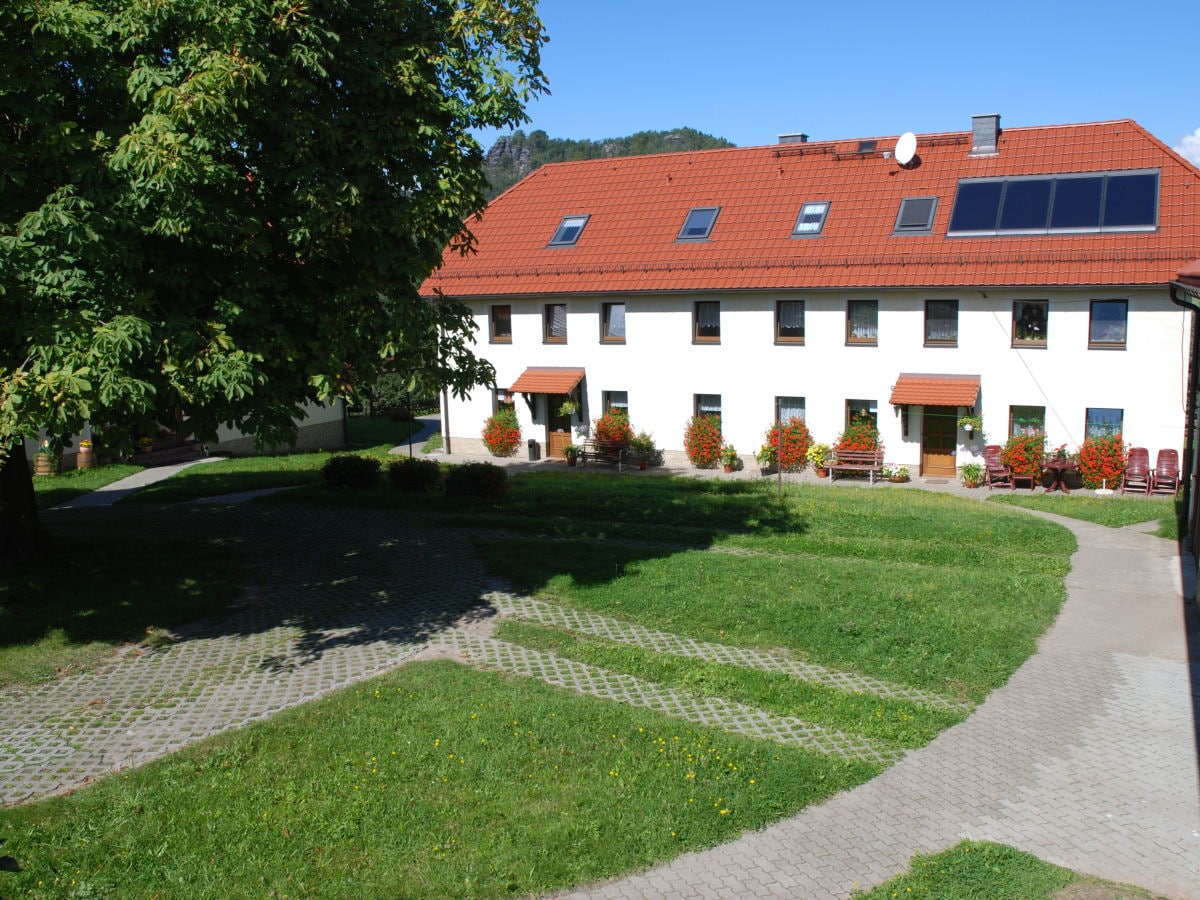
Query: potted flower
(766, 458)
(818, 455)
(642, 446)
(44, 462)
(729, 457)
(571, 452)
(898, 474)
(702, 440)
(568, 409)
(970, 424)
(971, 474)
(86, 457)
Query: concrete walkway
(1087, 758)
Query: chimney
(795, 137)
(984, 132)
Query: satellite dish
(906, 148)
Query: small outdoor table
(1059, 468)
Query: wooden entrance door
(939, 441)
(558, 428)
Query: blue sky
(752, 70)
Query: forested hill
(512, 158)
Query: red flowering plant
(1102, 461)
(613, 426)
(1024, 454)
(859, 435)
(796, 441)
(501, 433)
(702, 440)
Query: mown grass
(442, 782)
(975, 870)
(51, 490)
(1116, 511)
(101, 593)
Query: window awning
(935, 390)
(547, 380)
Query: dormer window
(916, 215)
(812, 218)
(568, 231)
(699, 223)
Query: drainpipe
(1189, 298)
(446, 420)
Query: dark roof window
(568, 231)
(867, 146)
(812, 218)
(916, 215)
(699, 223)
(1118, 201)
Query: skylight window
(916, 215)
(699, 223)
(1118, 201)
(867, 146)
(568, 231)
(812, 218)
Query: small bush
(415, 476)
(796, 441)
(502, 433)
(1024, 454)
(702, 440)
(482, 479)
(352, 471)
(613, 426)
(859, 435)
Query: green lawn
(1116, 511)
(444, 781)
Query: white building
(1019, 274)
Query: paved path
(1086, 758)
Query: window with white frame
(789, 322)
(706, 322)
(1101, 422)
(554, 323)
(613, 323)
(862, 322)
(1025, 420)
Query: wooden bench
(612, 453)
(869, 461)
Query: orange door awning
(935, 390)
(547, 380)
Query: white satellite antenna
(906, 148)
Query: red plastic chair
(1137, 472)
(1165, 477)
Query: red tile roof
(547, 380)
(638, 204)
(936, 390)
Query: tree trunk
(22, 538)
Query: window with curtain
(941, 323)
(862, 322)
(707, 404)
(707, 321)
(501, 322)
(1107, 325)
(613, 315)
(555, 322)
(1101, 422)
(789, 322)
(1024, 420)
(790, 408)
(862, 411)
(616, 400)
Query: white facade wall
(662, 369)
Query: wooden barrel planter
(44, 465)
(85, 458)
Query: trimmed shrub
(702, 440)
(613, 426)
(796, 441)
(415, 476)
(482, 479)
(1024, 454)
(860, 435)
(501, 433)
(1102, 461)
(351, 471)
